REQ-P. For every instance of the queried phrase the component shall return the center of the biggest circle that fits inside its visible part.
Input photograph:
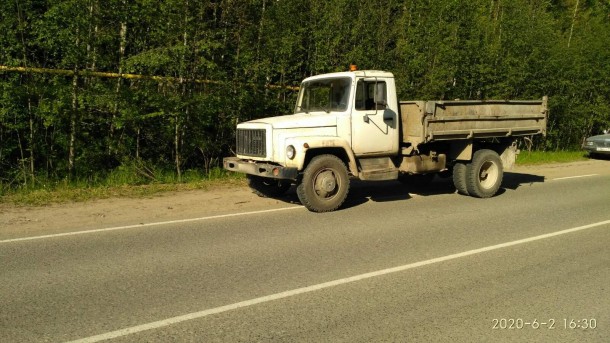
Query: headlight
(290, 152)
(589, 143)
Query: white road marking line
(574, 177)
(147, 225)
(313, 288)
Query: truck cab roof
(352, 74)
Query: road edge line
(179, 221)
(573, 177)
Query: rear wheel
(267, 187)
(459, 178)
(324, 185)
(484, 174)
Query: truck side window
(369, 93)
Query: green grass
(544, 157)
(125, 182)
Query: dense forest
(92, 86)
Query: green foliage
(437, 49)
(61, 191)
(541, 157)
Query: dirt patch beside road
(18, 221)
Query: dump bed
(427, 121)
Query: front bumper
(597, 149)
(259, 168)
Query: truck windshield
(324, 95)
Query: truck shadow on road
(362, 192)
(381, 191)
(385, 191)
(516, 180)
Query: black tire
(324, 184)
(459, 177)
(484, 174)
(267, 187)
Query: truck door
(374, 122)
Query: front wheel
(266, 187)
(324, 184)
(484, 174)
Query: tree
(209, 64)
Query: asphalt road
(465, 270)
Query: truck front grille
(251, 142)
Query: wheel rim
(326, 184)
(488, 174)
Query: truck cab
(353, 111)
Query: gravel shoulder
(19, 221)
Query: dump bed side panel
(457, 120)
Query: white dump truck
(351, 125)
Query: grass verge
(46, 193)
(544, 157)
